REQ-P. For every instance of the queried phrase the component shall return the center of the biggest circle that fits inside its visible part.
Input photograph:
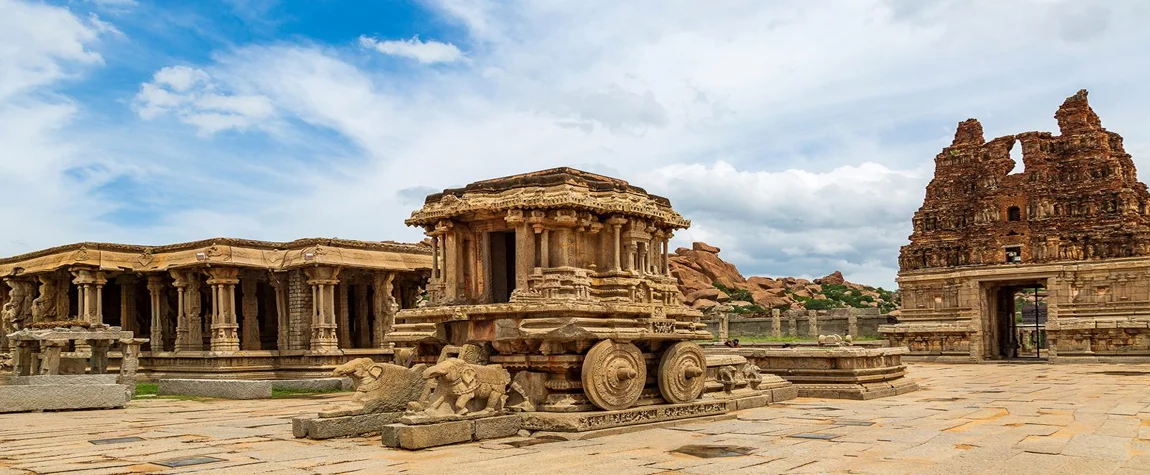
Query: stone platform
(247, 389)
(843, 372)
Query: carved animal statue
(458, 383)
(751, 374)
(727, 378)
(382, 387)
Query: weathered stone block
(426, 435)
(65, 379)
(496, 427)
(319, 428)
(54, 397)
(313, 385)
(223, 389)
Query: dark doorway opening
(1021, 321)
(502, 273)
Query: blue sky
(798, 136)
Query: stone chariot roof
(563, 187)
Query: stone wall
(858, 322)
(299, 311)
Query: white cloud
(426, 52)
(192, 96)
(47, 176)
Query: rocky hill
(712, 284)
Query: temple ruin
(1049, 262)
(223, 307)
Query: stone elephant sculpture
(382, 387)
(462, 387)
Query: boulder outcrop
(709, 282)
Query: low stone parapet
(246, 389)
(834, 372)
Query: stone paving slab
(966, 419)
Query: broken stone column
(130, 362)
(776, 323)
(813, 321)
(724, 327)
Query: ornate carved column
(224, 328)
(127, 284)
(323, 326)
(667, 254)
(86, 302)
(341, 316)
(180, 282)
(156, 290)
(362, 320)
(383, 310)
(52, 350)
(251, 309)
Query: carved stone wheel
(614, 375)
(682, 372)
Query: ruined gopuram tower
(1073, 224)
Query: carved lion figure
(458, 383)
(382, 387)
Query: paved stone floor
(993, 418)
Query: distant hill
(709, 283)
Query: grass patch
(147, 389)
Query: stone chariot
(562, 276)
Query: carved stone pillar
(776, 323)
(222, 281)
(251, 309)
(127, 284)
(341, 316)
(323, 326)
(362, 317)
(545, 248)
(813, 322)
(434, 257)
(156, 290)
(383, 311)
(283, 329)
(617, 223)
(85, 280)
(101, 279)
(183, 326)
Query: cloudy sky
(796, 135)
